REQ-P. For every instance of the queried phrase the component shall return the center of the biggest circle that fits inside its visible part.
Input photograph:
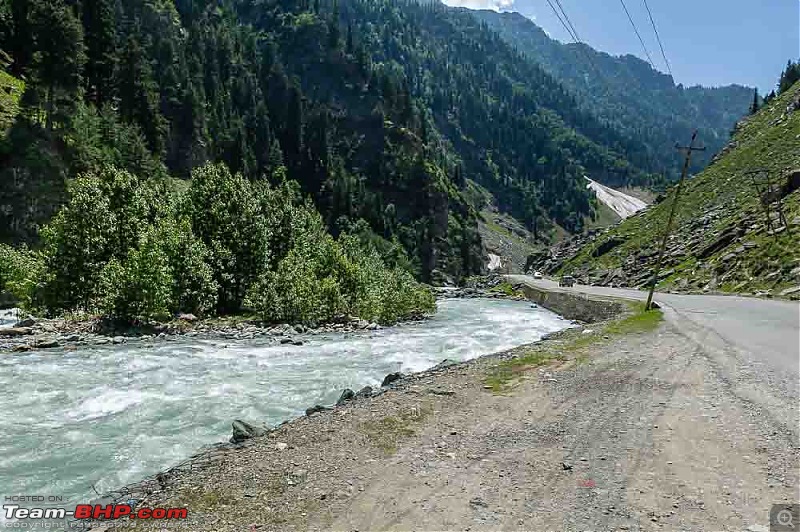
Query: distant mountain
(734, 231)
(632, 97)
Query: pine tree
(19, 42)
(58, 60)
(789, 77)
(138, 92)
(755, 106)
(294, 126)
(99, 25)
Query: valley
(381, 264)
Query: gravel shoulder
(635, 431)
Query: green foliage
(194, 289)
(319, 279)
(134, 251)
(140, 287)
(20, 271)
(228, 217)
(11, 90)
(789, 77)
(58, 59)
(104, 219)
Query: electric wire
(639, 35)
(658, 37)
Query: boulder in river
(45, 344)
(244, 431)
(391, 378)
(187, 317)
(347, 395)
(27, 322)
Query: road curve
(755, 343)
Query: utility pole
(688, 149)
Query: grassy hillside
(720, 241)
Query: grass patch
(573, 345)
(509, 370)
(639, 321)
(386, 433)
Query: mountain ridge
(629, 93)
(737, 226)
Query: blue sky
(708, 42)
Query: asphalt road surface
(756, 342)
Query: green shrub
(134, 252)
(141, 287)
(194, 289)
(226, 215)
(164, 275)
(104, 219)
(305, 286)
(20, 272)
(320, 279)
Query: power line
(566, 27)
(574, 31)
(637, 33)
(658, 37)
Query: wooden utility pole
(688, 149)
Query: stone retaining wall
(574, 306)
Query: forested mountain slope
(378, 109)
(630, 95)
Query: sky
(707, 42)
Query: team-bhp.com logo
(94, 511)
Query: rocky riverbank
(28, 333)
(619, 425)
(298, 462)
(32, 333)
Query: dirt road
(642, 431)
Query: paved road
(755, 342)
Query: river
(105, 416)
